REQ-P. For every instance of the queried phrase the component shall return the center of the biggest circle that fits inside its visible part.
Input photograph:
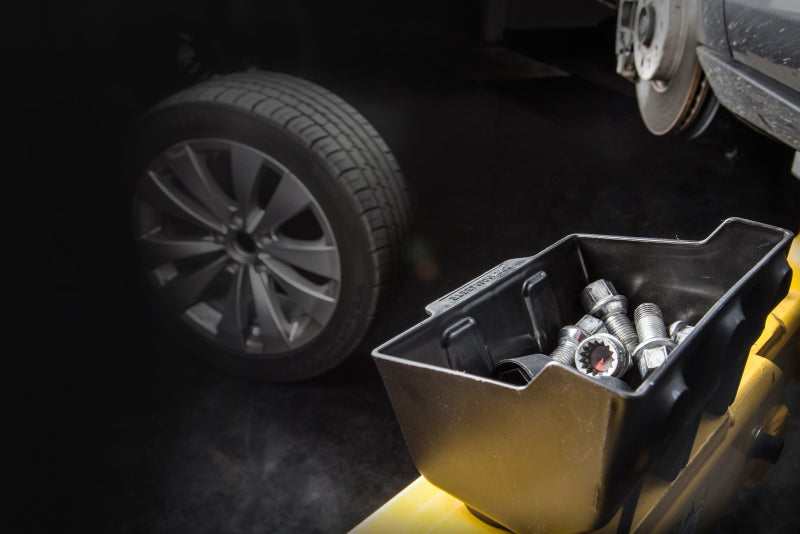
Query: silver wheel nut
(679, 330)
(655, 344)
(591, 325)
(569, 337)
(602, 355)
(600, 298)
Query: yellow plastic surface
(780, 340)
(717, 468)
(423, 509)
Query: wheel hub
(656, 42)
(242, 248)
(647, 25)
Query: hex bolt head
(569, 337)
(679, 330)
(652, 354)
(590, 324)
(265, 238)
(600, 298)
(602, 355)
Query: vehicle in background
(687, 57)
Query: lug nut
(600, 298)
(679, 330)
(569, 337)
(591, 325)
(236, 222)
(602, 355)
(655, 345)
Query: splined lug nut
(679, 330)
(655, 345)
(602, 355)
(601, 299)
(569, 337)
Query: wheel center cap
(647, 25)
(245, 243)
(241, 247)
(661, 30)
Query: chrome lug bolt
(236, 222)
(679, 330)
(601, 299)
(655, 345)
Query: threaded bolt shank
(569, 337)
(649, 322)
(620, 326)
(656, 344)
(565, 353)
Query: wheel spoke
(313, 256)
(274, 330)
(155, 192)
(190, 168)
(158, 249)
(295, 283)
(289, 199)
(310, 297)
(186, 290)
(231, 328)
(245, 167)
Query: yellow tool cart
(563, 452)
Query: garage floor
(504, 155)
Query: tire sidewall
(164, 127)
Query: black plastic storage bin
(564, 452)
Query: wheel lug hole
(232, 267)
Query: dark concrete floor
(129, 433)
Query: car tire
(268, 217)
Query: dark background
(123, 431)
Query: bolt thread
(645, 309)
(649, 322)
(565, 353)
(620, 326)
